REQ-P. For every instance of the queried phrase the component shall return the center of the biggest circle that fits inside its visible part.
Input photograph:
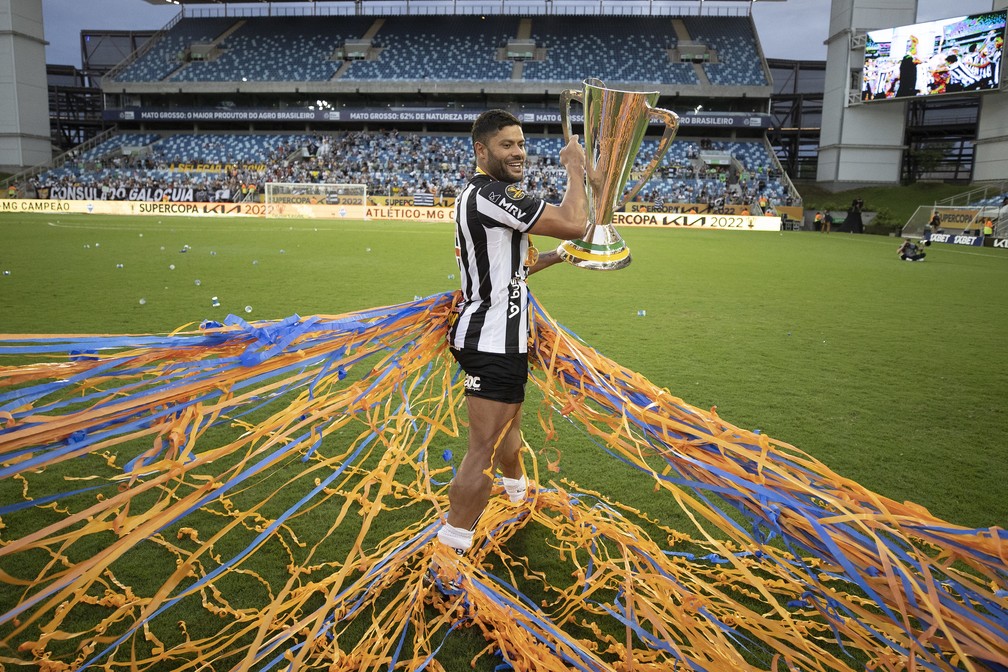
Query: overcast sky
(791, 29)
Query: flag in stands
(423, 198)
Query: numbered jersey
(492, 220)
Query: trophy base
(597, 257)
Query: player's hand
(572, 156)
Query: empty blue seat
(454, 48)
(734, 40)
(613, 49)
(294, 48)
(168, 53)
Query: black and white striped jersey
(492, 219)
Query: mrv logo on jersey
(507, 205)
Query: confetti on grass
(264, 495)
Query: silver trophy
(614, 126)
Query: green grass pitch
(892, 373)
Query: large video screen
(958, 55)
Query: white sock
(459, 539)
(515, 488)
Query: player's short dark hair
(490, 122)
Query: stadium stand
(291, 48)
(223, 148)
(438, 48)
(117, 144)
(733, 39)
(167, 54)
(402, 163)
(996, 200)
(197, 65)
(466, 48)
(626, 50)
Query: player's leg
(494, 438)
(508, 460)
(508, 456)
(490, 425)
(494, 395)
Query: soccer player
(490, 332)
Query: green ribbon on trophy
(614, 126)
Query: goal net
(316, 200)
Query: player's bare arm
(569, 219)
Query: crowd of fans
(389, 162)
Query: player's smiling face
(503, 156)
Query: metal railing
(977, 198)
(141, 52)
(974, 196)
(57, 161)
(477, 7)
(972, 204)
(785, 179)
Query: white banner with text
(396, 213)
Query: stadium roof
(485, 5)
(463, 7)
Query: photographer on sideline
(909, 251)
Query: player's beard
(498, 168)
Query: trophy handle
(565, 100)
(671, 120)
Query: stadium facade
(430, 67)
(876, 142)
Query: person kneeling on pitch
(909, 251)
(489, 333)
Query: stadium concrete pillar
(24, 101)
(991, 149)
(858, 143)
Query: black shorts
(494, 376)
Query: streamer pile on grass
(264, 496)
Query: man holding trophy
(489, 334)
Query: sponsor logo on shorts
(472, 383)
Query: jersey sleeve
(508, 205)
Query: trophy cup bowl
(614, 126)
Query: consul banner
(80, 192)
